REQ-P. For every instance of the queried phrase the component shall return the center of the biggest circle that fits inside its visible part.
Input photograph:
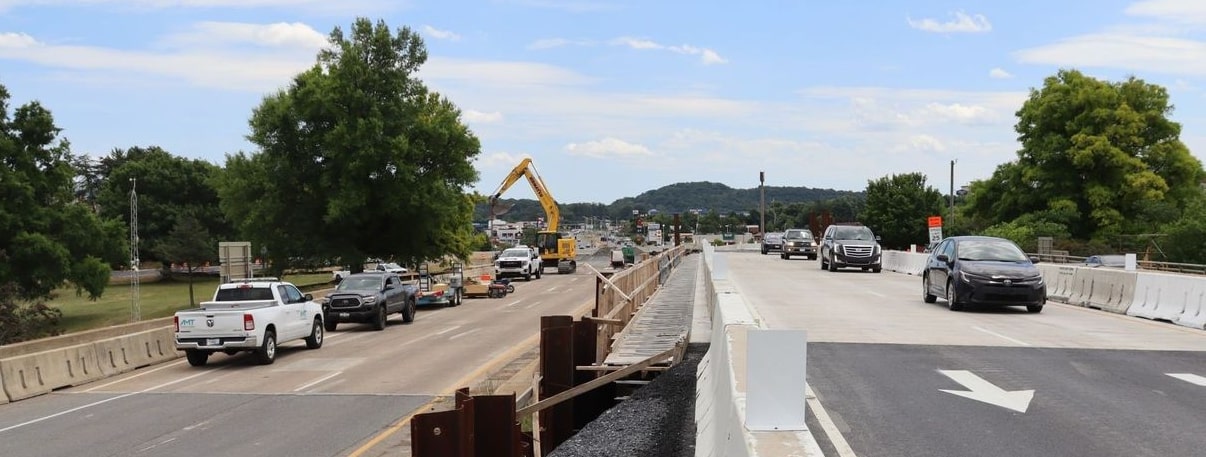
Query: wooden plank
(571, 393)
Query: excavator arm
(555, 249)
(525, 169)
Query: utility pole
(135, 306)
(762, 203)
(952, 215)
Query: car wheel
(1034, 308)
(314, 341)
(408, 312)
(925, 291)
(824, 264)
(763, 251)
(832, 265)
(527, 276)
(379, 321)
(877, 269)
(812, 257)
(266, 354)
(952, 301)
(196, 358)
(329, 324)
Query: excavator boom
(555, 249)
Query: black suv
(850, 246)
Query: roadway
(350, 397)
(894, 376)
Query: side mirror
(1034, 259)
(877, 238)
(943, 258)
(309, 297)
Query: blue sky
(613, 98)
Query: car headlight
(876, 249)
(370, 299)
(968, 278)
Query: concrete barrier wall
(1174, 298)
(911, 263)
(37, 373)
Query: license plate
(345, 314)
(212, 341)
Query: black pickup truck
(369, 297)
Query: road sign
(935, 221)
(935, 234)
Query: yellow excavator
(556, 249)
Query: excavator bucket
(498, 208)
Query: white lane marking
(1190, 378)
(551, 289)
(449, 329)
(318, 381)
(508, 305)
(998, 335)
(101, 402)
(127, 378)
(980, 389)
(532, 305)
(877, 294)
(831, 429)
(458, 335)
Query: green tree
(188, 243)
(1186, 241)
(1106, 149)
(46, 236)
(356, 159)
(168, 187)
(897, 207)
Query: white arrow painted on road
(987, 392)
(1190, 378)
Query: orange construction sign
(935, 221)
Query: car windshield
(990, 250)
(853, 233)
(515, 253)
(795, 235)
(774, 236)
(359, 283)
(391, 266)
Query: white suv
(518, 261)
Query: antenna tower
(135, 307)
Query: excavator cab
(557, 249)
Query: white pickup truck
(251, 315)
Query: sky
(614, 98)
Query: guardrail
(1151, 265)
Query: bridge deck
(665, 320)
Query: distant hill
(674, 198)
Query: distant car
(982, 270)
(391, 267)
(798, 242)
(772, 241)
(1108, 261)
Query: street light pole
(952, 215)
(762, 202)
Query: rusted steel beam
(551, 401)
(557, 376)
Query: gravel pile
(656, 420)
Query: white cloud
(17, 40)
(1185, 11)
(1122, 51)
(962, 23)
(958, 112)
(999, 73)
(921, 143)
(707, 56)
(280, 34)
(607, 148)
(441, 34)
(478, 117)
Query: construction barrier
(1194, 314)
(719, 404)
(130, 352)
(911, 263)
(1109, 290)
(39, 373)
(33, 374)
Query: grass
(155, 299)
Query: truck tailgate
(206, 324)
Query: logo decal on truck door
(209, 322)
